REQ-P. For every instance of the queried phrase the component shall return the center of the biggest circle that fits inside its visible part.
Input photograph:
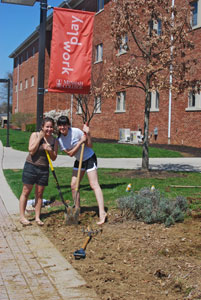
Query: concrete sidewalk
(14, 159)
(30, 266)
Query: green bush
(153, 207)
(31, 127)
(18, 119)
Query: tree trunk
(145, 149)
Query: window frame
(155, 101)
(26, 84)
(194, 102)
(124, 43)
(32, 81)
(197, 14)
(100, 5)
(79, 107)
(97, 107)
(99, 53)
(120, 102)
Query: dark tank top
(39, 158)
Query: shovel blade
(72, 216)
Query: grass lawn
(19, 141)
(112, 185)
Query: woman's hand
(41, 134)
(86, 129)
(47, 147)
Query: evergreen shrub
(153, 207)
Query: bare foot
(103, 219)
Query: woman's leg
(26, 190)
(73, 187)
(93, 180)
(39, 189)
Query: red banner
(71, 51)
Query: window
(32, 80)
(97, 105)
(154, 101)
(99, 53)
(33, 51)
(120, 102)
(20, 85)
(100, 5)
(79, 107)
(194, 102)
(27, 55)
(124, 45)
(196, 13)
(16, 88)
(155, 25)
(194, 20)
(26, 84)
(21, 59)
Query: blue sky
(17, 22)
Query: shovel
(69, 216)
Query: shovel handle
(86, 242)
(49, 160)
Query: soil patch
(130, 259)
(146, 174)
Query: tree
(159, 48)
(4, 88)
(4, 108)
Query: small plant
(153, 207)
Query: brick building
(179, 125)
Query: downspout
(170, 89)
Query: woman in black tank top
(36, 168)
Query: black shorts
(35, 174)
(88, 165)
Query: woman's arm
(34, 141)
(72, 151)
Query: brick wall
(185, 125)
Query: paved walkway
(30, 266)
(15, 160)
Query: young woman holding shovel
(36, 168)
(70, 141)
